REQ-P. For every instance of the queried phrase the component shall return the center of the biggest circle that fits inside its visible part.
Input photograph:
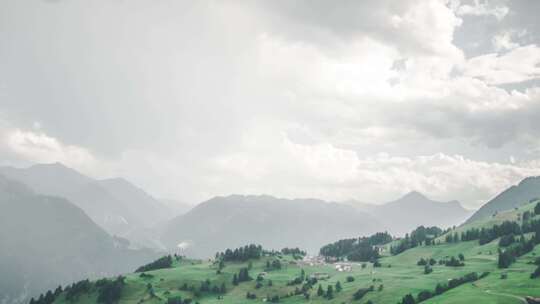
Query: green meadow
(397, 276)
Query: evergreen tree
(330, 292)
(338, 286)
(320, 291)
(408, 299)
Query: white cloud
(482, 8)
(504, 41)
(322, 170)
(38, 147)
(518, 65)
(288, 98)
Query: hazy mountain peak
(514, 196)
(414, 195)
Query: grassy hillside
(515, 196)
(396, 276)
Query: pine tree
(330, 292)
(338, 286)
(320, 291)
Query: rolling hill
(275, 223)
(47, 241)
(515, 196)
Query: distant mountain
(177, 207)
(513, 197)
(46, 241)
(412, 210)
(115, 204)
(232, 221)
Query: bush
(360, 293)
(424, 295)
(536, 273)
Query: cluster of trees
(161, 263)
(486, 235)
(241, 254)
(206, 286)
(109, 291)
(74, 290)
(274, 265)
(242, 276)
(419, 236)
(48, 297)
(422, 262)
(293, 251)
(453, 262)
(357, 249)
(329, 293)
(441, 288)
(360, 293)
(508, 255)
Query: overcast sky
(336, 100)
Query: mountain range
(515, 196)
(117, 205)
(415, 209)
(47, 241)
(228, 222)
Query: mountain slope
(225, 222)
(48, 241)
(115, 204)
(415, 209)
(515, 196)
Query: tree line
(241, 254)
(357, 249)
(161, 263)
(419, 236)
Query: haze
(193, 99)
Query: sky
(338, 100)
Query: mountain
(177, 207)
(225, 222)
(47, 241)
(515, 196)
(115, 204)
(415, 209)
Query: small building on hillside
(343, 267)
(319, 276)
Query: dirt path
(506, 295)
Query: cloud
(322, 170)
(303, 98)
(482, 8)
(518, 65)
(38, 147)
(503, 41)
